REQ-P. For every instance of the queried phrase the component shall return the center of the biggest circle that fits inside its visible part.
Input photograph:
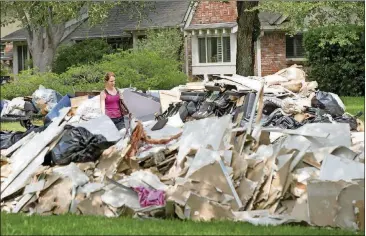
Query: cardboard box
(77, 101)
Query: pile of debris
(208, 155)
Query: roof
(165, 14)
(211, 26)
(19, 35)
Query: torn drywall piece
(246, 190)
(219, 178)
(359, 210)
(119, 197)
(322, 201)
(90, 188)
(203, 157)
(71, 171)
(262, 217)
(335, 168)
(102, 125)
(92, 205)
(34, 187)
(203, 209)
(57, 198)
(19, 181)
(346, 218)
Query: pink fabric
(112, 105)
(148, 197)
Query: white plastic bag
(45, 96)
(90, 109)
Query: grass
(93, 225)
(354, 105)
(96, 225)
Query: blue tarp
(55, 112)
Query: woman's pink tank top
(112, 105)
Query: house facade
(210, 41)
(119, 30)
(6, 48)
(209, 29)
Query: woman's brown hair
(108, 76)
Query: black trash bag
(269, 107)
(345, 118)
(8, 138)
(326, 101)
(78, 145)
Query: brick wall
(209, 12)
(273, 52)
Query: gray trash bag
(329, 102)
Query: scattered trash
(267, 151)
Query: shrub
(337, 67)
(168, 43)
(143, 69)
(87, 51)
(27, 82)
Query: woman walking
(111, 102)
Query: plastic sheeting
(141, 105)
(46, 96)
(329, 102)
(55, 112)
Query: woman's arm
(102, 102)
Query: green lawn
(354, 105)
(94, 225)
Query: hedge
(140, 69)
(85, 52)
(337, 68)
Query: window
(123, 43)
(294, 48)
(22, 57)
(214, 49)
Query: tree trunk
(248, 32)
(43, 42)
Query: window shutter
(219, 49)
(202, 50)
(226, 49)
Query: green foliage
(141, 69)
(167, 42)
(4, 70)
(27, 82)
(337, 67)
(303, 15)
(85, 52)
